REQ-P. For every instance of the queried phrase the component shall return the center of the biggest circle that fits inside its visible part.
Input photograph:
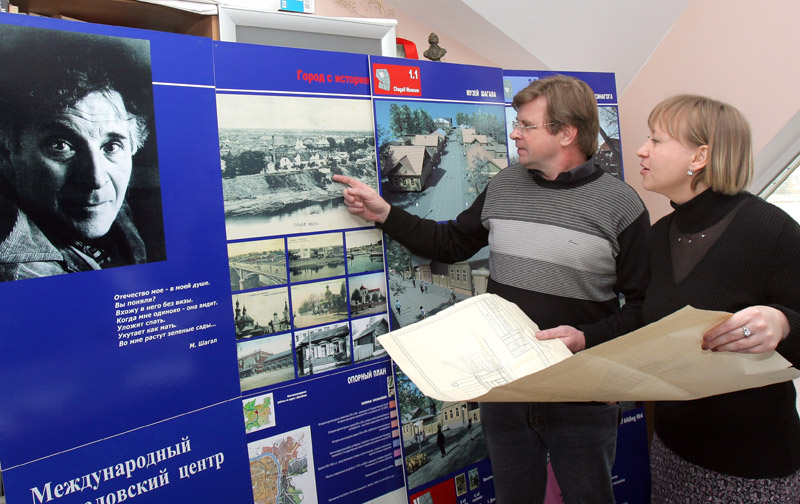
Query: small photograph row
(263, 312)
(263, 263)
(280, 358)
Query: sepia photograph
(461, 484)
(278, 154)
(79, 182)
(257, 264)
(364, 250)
(322, 348)
(319, 303)
(365, 337)
(312, 257)
(261, 312)
(474, 478)
(265, 361)
(435, 158)
(367, 294)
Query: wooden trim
(128, 13)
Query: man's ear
(568, 135)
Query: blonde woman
(722, 249)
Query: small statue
(434, 52)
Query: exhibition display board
(215, 339)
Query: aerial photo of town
(278, 154)
(450, 150)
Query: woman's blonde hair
(697, 120)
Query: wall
(407, 27)
(734, 50)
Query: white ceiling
(568, 35)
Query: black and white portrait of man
(79, 186)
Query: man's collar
(576, 174)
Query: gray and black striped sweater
(561, 250)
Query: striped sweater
(562, 250)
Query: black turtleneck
(754, 259)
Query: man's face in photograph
(71, 170)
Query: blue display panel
(89, 355)
(609, 152)
(441, 136)
(602, 83)
(196, 457)
(121, 382)
(244, 67)
(307, 278)
(432, 80)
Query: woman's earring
(690, 172)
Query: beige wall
(408, 28)
(739, 51)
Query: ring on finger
(747, 332)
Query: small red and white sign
(396, 80)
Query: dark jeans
(581, 439)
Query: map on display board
(185, 290)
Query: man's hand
(571, 337)
(362, 200)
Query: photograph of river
(312, 257)
(364, 251)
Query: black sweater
(756, 261)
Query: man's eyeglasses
(516, 125)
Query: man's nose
(91, 170)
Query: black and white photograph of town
(261, 312)
(365, 337)
(322, 348)
(256, 264)
(364, 250)
(435, 158)
(319, 302)
(278, 154)
(312, 257)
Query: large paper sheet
(484, 349)
(471, 348)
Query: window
(784, 190)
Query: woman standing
(722, 249)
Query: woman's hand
(757, 329)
